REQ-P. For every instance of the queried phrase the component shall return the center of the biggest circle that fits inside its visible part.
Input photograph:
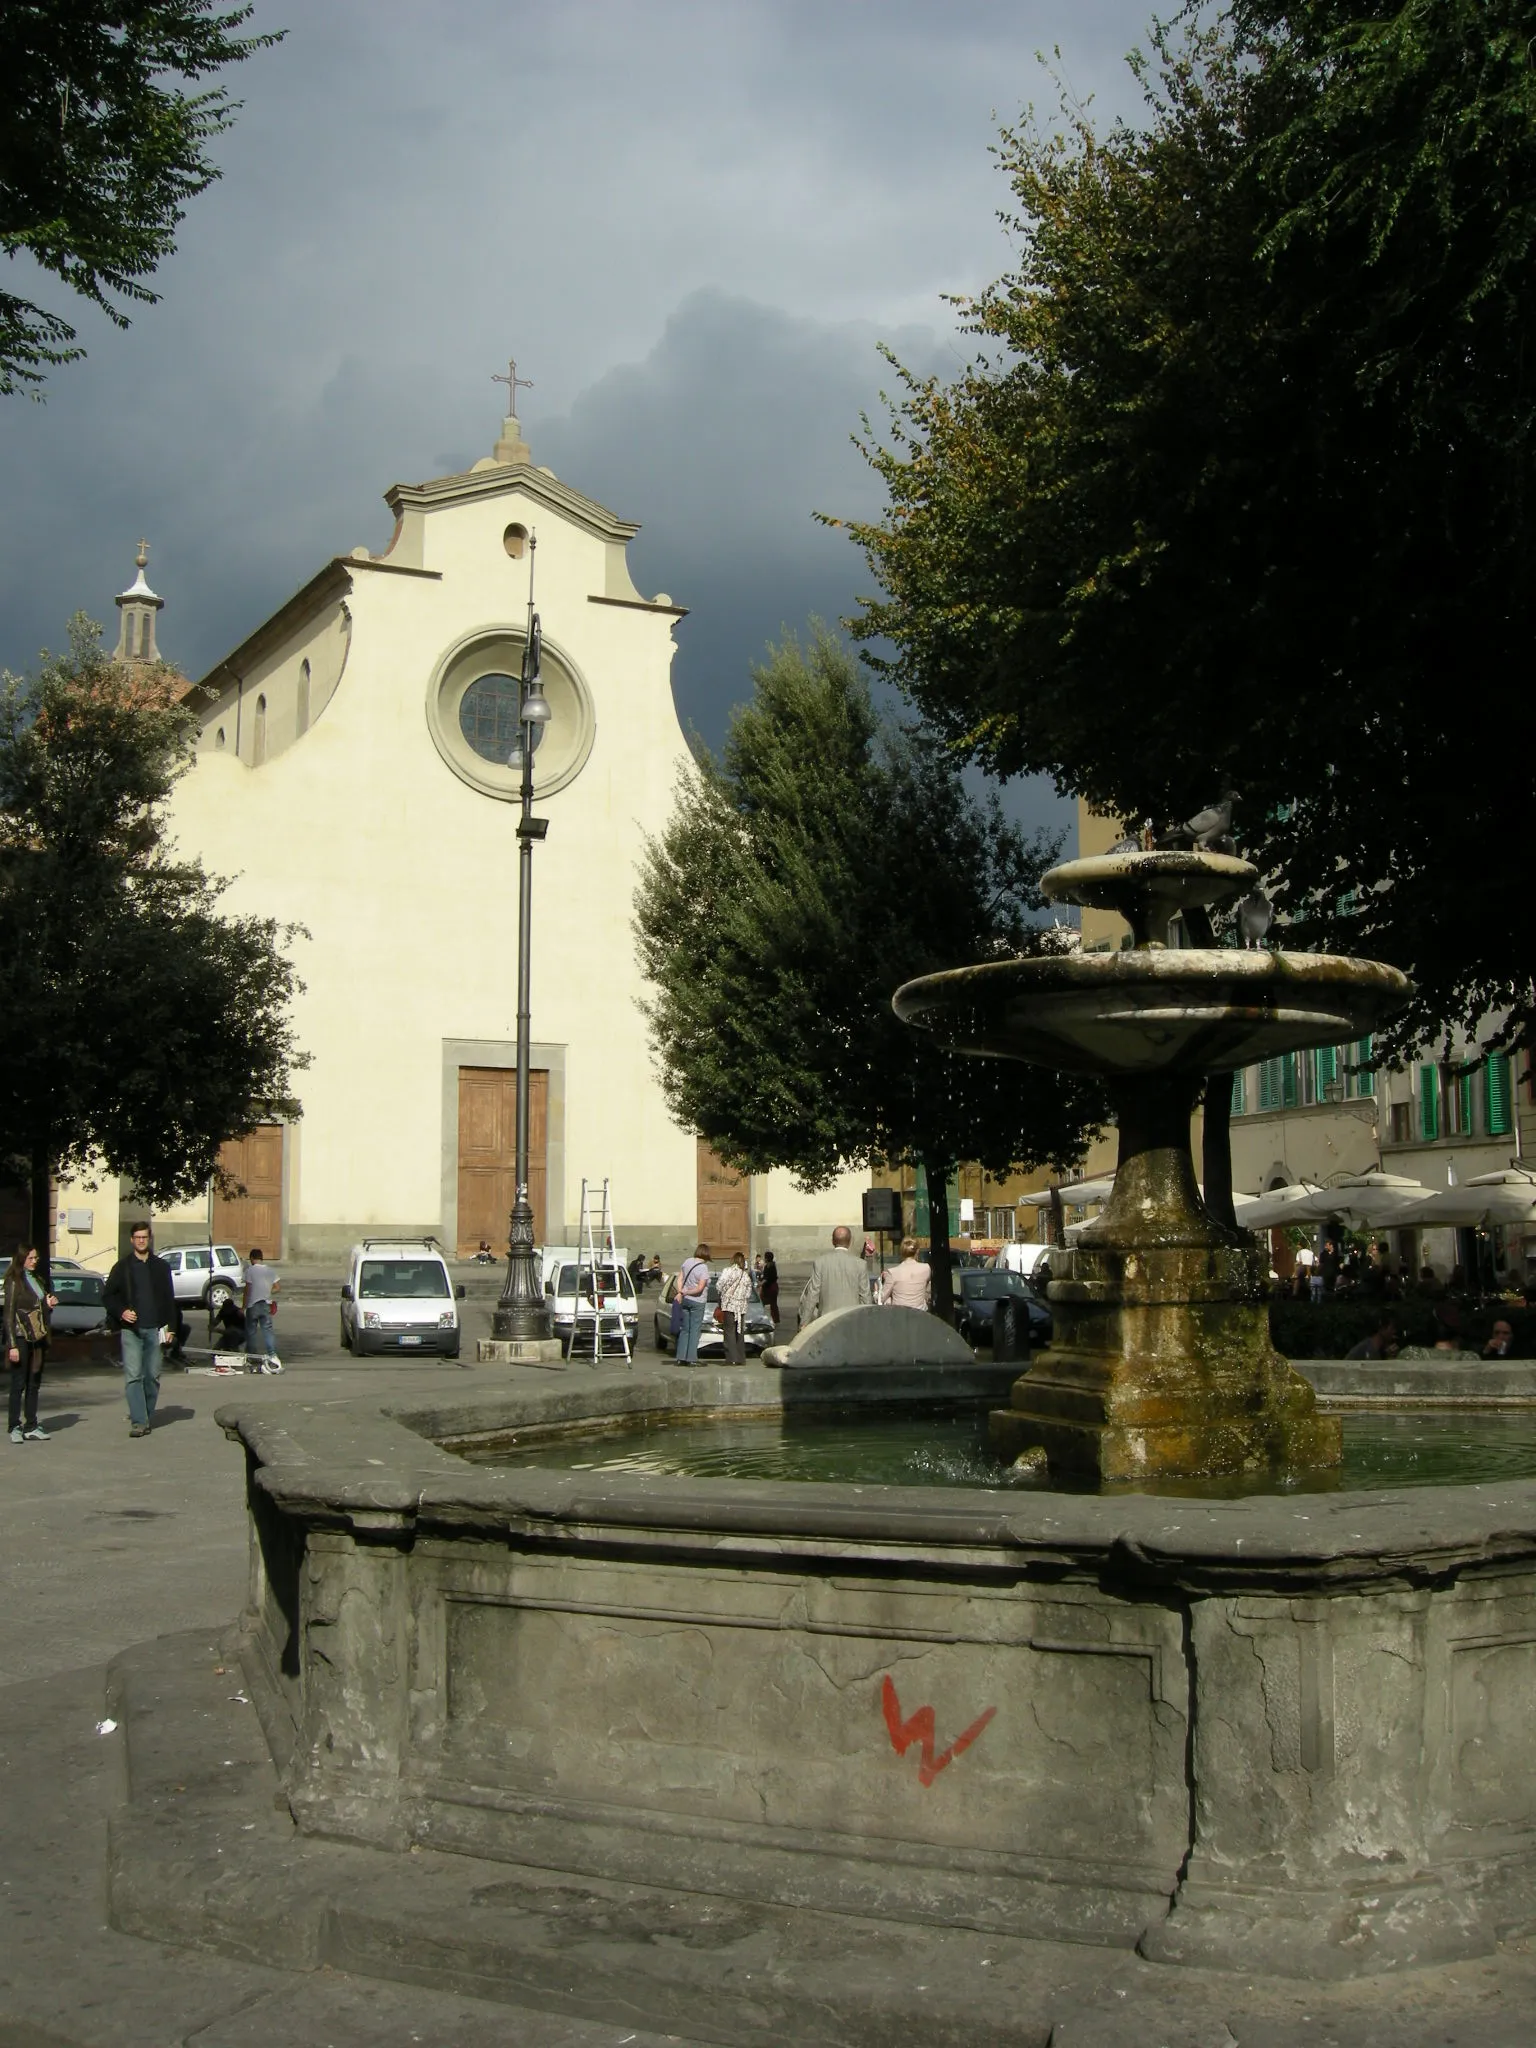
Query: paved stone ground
(106, 1542)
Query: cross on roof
(512, 382)
(142, 558)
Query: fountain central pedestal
(1162, 1363)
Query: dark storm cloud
(692, 222)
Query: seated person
(485, 1256)
(1501, 1340)
(1382, 1342)
(229, 1325)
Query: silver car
(205, 1275)
(82, 1300)
(756, 1332)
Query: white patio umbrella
(1076, 1194)
(1365, 1201)
(1492, 1198)
(1274, 1210)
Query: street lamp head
(536, 709)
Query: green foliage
(1239, 492)
(138, 1025)
(827, 858)
(100, 158)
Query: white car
(205, 1275)
(399, 1296)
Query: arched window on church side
(302, 720)
(259, 735)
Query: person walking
(260, 1304)
(735, 1298)
(838, 1280)
(141, 1300)
(768, 1288)
(693, 1298)
(909, 1285)
(26, 1338)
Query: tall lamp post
(522, 1313)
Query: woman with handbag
(26, 1306)
(693, 1294)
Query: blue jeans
(141, 1371)
(688, 1335)
(260, 1337)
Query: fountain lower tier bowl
(1154, 1009)
(911, 1705)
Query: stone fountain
(833, 1763)
(1163, 1364)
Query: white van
(399, 1296)
(569, 1292)
(1018, 1257)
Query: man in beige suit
(838, 1280)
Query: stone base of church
(546, 1351)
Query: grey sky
(692, 223)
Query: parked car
(82, 1300)
(575, 1294)
(398, 1296)
(205, 1275)
(977, 1294)
(756, 1335)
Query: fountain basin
(1151, 1009)
(1288, 1734)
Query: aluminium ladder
(595, 1259)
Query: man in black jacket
(141, 1300)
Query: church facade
(354, 776)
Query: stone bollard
(1010, 1331)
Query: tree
(100, 158)
(1240, 491)
(824, 860)
(139, 1027)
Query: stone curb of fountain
(371, 1461)
(1391, 1383)
(202, 1852)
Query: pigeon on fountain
(1254, 916)
(1209, 830)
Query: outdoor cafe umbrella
(1076, 1194)
(1274, 1210)
(1492, 1198)
(1365, 1201)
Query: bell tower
(138, 605)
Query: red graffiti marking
(920, 1729)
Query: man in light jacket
(838, 1280)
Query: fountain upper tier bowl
(1155, 1008)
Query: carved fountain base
(1162, 1364)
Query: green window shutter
(1327, 1068)
(920, 1217)
(1464, 1102)
(1290, 1092)
(1429, 1102)
(1240, 1092)
(1365, 1084)
(1497, 1119)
